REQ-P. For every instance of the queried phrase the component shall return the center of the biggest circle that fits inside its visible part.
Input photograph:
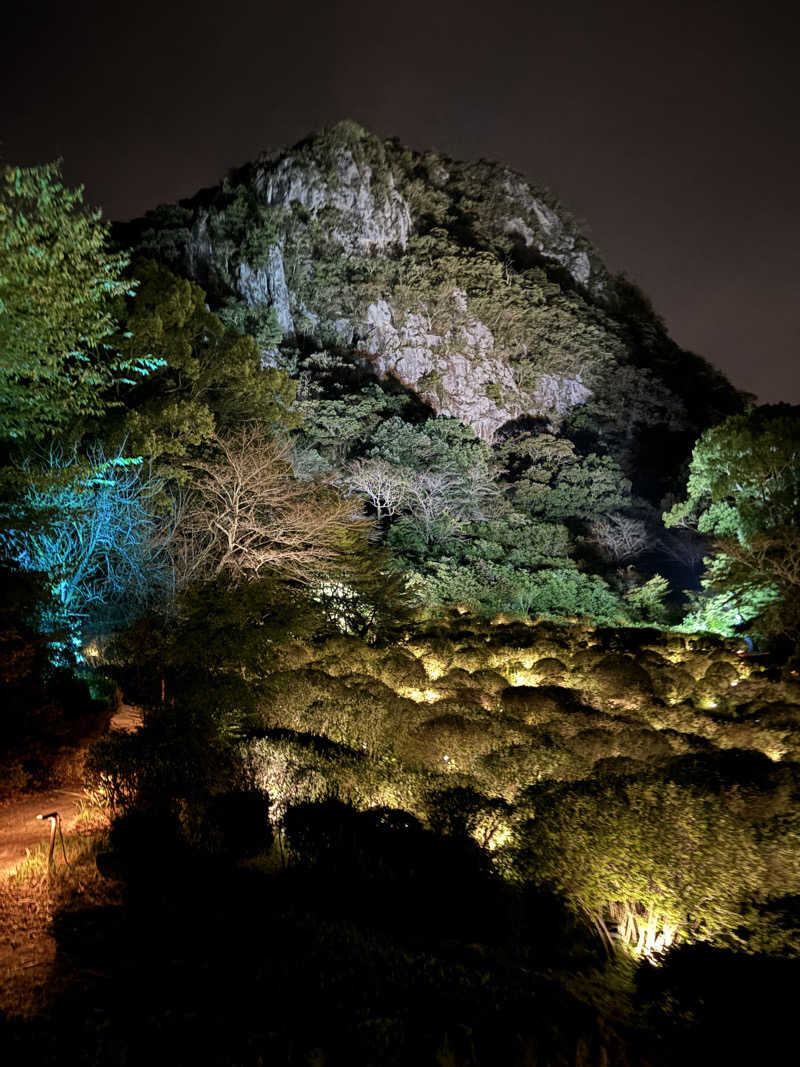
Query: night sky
(672, 129)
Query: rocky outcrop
(265, 287)
(539, 227)
(458, 373)
(367, 216)
(450, 372)
(460, 280)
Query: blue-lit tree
(92, 525)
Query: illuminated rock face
(451, 372)
(265, 287)
(458, 373)
(541, 228)
(357, 209)
(367, 218)
(460, 280)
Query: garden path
(27, 944)
(21, 831)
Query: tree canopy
(59, 282)
(210, 379)
(744, 491)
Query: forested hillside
(455, 610)
(513, 415)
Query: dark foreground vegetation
(506, 844)
(438, 763)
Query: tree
(436, 443)
(554, 482)
(383, 484)
(744, 492)
(210, 379)
(655, 858)
(244, 514)
(438, 472)
(646, 602)
(442, 500)
(58, 287)
(339, 427)
(744, 475)
(619, 536)
(368, 597)
(90, 524)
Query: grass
(81, 852)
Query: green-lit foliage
(554, 483)
(211, 378)
(744, 476)
(436, 443)
(339, 428)
(743, 490)
(242, 228)
(646, 602)
(560, 592)
(727, 612)
(58, 284)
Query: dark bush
(716, 1006)
(235, 825)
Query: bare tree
(383, 484)
(619, 537)
(684, 546)
(430, 495)
(438, 494)
(245, 512)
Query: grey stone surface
(371, 218)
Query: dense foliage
(58, 283)
(547, 412)
(504, 816)
(744, 491)
(432, 767)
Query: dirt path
(21, 830)
(27, 945)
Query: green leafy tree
(210, 380)
(646, 602)
(554, 482)
(744, 475)
(441, 443)
(370, 597)
(58, 288)
(339, 428)
(488, 587)
(744, 492)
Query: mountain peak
(462, 281)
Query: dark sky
(671, 128)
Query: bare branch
(246, 512)
(619, 537)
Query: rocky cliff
(463, 282)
